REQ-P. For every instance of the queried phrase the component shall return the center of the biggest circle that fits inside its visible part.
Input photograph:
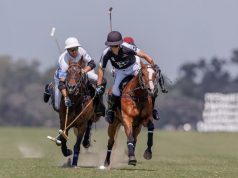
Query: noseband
(144, 86)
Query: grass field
(26, 153)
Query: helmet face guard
(114, 38)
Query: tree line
(22, 87)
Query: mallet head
(52, 31)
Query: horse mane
(133, 84)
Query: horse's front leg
(148, 152)
(112, 132)
(66, 152)
(80, 132)
(62, 115)
(127, 121)
(136, 131)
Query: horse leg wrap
(107, 160)
(75, 159)
(109, 151)
(76, 152)
(150, 134)
(131, 148)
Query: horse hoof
(67, 163)
(148, 154)
(68, 153)
(74, 166)
(106, 163)
(132, 161)
(86, 145)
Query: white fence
(220, 113)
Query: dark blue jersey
(125, 57)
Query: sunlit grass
(25, 152)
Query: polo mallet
(110, 17)
(52, 34)
(56, 140)
(61, 132)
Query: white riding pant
(92, 76)
(120, 74)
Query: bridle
(145, 86)
(75, 72)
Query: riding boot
(46, 95)
(113, 102)
(155, 111)
(98, 101)
(161, 84)
(99, 106)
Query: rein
(77, 115)
(141, 86)
(75, 89)
(78, 91)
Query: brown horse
(135, 111)
(79, 113)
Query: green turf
(25, 153)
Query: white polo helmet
(71, 42)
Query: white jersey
(63, 65)
(64, 61)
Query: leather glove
(157, 69)
(99, 90)
(164, 90)
(67, 102)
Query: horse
(135, 110)
(80, 113)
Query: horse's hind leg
(86, 138)
(81, 131)
(112, 130)
(148, 152)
